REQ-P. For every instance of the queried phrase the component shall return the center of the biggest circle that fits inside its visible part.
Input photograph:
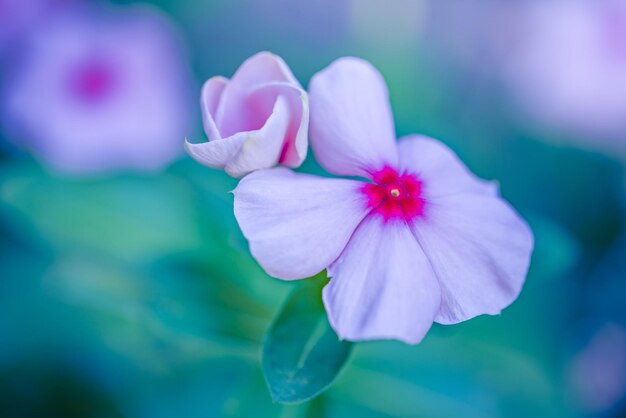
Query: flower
(258, 119)
(596, 374)
(420, 240)
(101, 90)
(581, 90)
(17, 17)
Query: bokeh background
(127, 290)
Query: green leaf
(302, 355)
(134, 217)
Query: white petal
(296, 142)
(217, 153)
(209, 100)
(262, 148)
(297, 224)
(479, 248)
(440, 170)
(245, 152)
(352, 130)
(233, 113)
(382, 286)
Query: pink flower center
(394, 195)
(93, 81)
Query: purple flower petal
(262, 148)
(218, 153)
(297, 224)
(210, 99)
(257, 120)
(441, 171)
(480, 249)
(296, 146)
(478, 245)
(352, 131)
(100, 90)
(578, 94)
(382, 285)
(234, 114)
(244, 152)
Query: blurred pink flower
(597, 374)
(18, 16)
(100, 90)
(258, 119)
(569, 68)
(422, 240)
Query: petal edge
(382, 285)
(297, 224)
(352, 128)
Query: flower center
(394, 195)
(92, 81)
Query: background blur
(126, 288)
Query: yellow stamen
(394, 192)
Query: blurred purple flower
(423, 240)
(569, 68)
(17, 16)
(257, 120)
(597, 374)
(99, 90)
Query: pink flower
(420, 240)
(568, 69)
(597, 373)
(100, 90)
(258, 119)
(17, 17)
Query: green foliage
(133, 217)
(302, 355)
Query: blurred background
(127, 290)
